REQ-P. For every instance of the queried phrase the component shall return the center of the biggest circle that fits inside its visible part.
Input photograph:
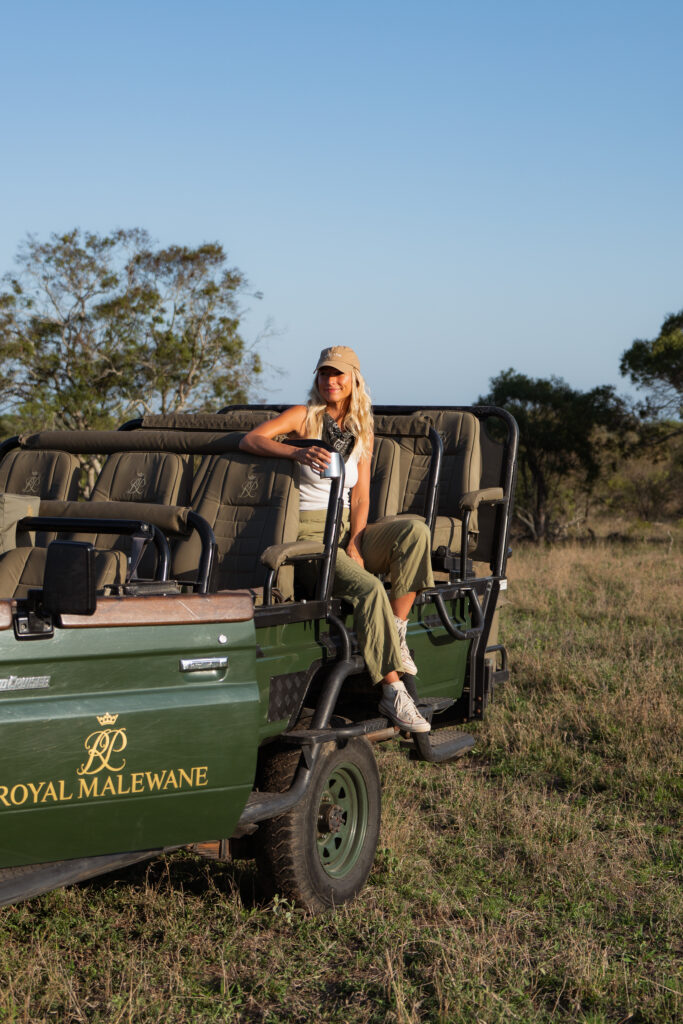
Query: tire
(320, 853)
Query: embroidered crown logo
(32, 485)
(137, 486)
(107, 719)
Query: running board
(23, 883)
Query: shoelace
(405, 706)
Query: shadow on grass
(190, 874)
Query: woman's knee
(416, 533)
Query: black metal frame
(480, 594)
(141, 532)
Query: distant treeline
(96, 328)
(583, 452)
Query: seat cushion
(23, 569)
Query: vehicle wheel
(320, 853)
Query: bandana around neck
(341, 440)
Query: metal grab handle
(450, 626)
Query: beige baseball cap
(341, 357)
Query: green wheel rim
(342, 820)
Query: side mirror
(69, 582)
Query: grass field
(536, 880)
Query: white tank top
(314, 490)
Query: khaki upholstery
(411, 433)
(23, 569)
(14, 507)
(145, 478)
(460, 473)
(47, 474)
(232, 419)
(460, 467)
(40, 474)
(384, 478)
(163, 478)
(250, 503)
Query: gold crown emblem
(107, 719)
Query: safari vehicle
(164, 681)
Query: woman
(339, 411)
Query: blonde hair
(358, 417)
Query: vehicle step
(434, 705)
(441, 744)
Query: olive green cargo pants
(401, 547)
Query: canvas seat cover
(411, 434)
(47, 474)
(384, 478)
(230, 420)
(460, 467)
(152, 478)
(250, 503)
(162, 478)
(460, 473)
(23, 569)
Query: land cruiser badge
(25, 682)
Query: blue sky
(451, 188)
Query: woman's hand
(317, 459)
(353, 552)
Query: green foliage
(657, 366)
(647, 485)
(97, 328)
(564, 436)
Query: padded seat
(160, 478)
(41, 474)
(250, 503)
(229, 420)
(23, 569)
(384, 479)
(152, 478)
(460, 468)
(460, 474)
(407, 491)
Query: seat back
(250, 503)
(461, 469)
(157, 478)
(385, 482)
(40, 474)
(160, 478)
(411, 434)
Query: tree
(94, 329)
(657, 366)
(564, 435)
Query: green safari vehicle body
(160, 712)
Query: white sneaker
(400, 708)
(409, 665)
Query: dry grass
(536, 881)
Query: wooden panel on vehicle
(5, 614)
(181, 609)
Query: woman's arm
(359, 508)
(261, 440)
